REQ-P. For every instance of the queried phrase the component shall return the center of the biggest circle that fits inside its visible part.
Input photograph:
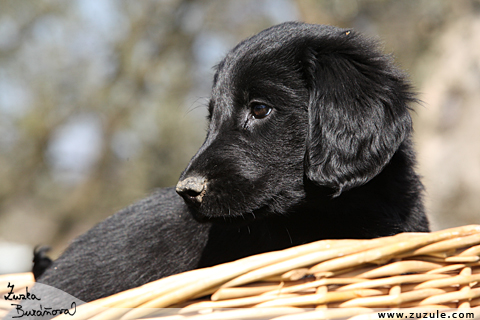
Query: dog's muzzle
(192, 189)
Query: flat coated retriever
(308, 139)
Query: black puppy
(309, 138)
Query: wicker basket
(325, 279)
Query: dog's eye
(260, 111)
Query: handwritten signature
(12, 296)
(41, 311)
(44, 311)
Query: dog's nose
(192, 189)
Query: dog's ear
(357, 110)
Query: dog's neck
(396, 202)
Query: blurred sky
(76, 144)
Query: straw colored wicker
(325, 279)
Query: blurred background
(102, 101)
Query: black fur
(41, 261)
(331, 159)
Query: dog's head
(296, 102)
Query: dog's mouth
(223, 206)
(236, 220)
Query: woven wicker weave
(325, 279)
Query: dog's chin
(208, 214)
